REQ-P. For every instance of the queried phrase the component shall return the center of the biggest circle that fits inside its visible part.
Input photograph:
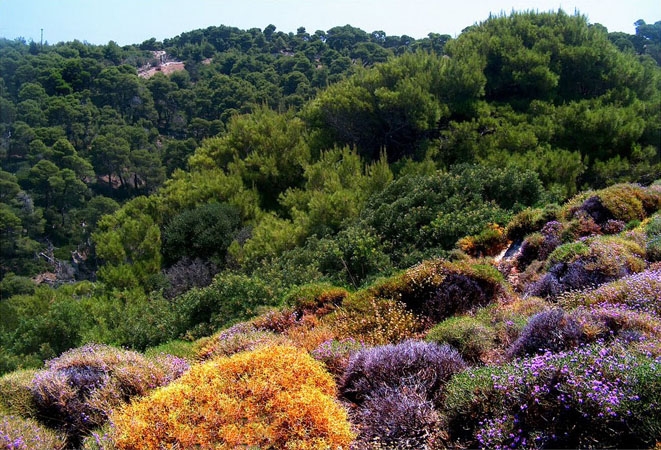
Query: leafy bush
(469, 336)
(625, 202)
(25, 434)
(12, 284)
(40, 326)
(230, 298)
(204, 232)
(425, 365)
(15, 395)
(552, 330)
(274, 397)
(77, 391)
(182, 349)
(590, 396)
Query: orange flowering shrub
(489, 242)
(274, 397)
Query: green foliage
(40, 326)
(230, 298)
(15, 395)
(467, 334)
(530, 220)
(653, 230)
(204, 232)
(309, 297)
(567, 253)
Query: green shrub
(530, 220)
(182, 349)
(653, 231)
(467, 334)
(310, 297)
(204, 232)
(42, 325)
(15, 395)
(229, 298)
(132, 318)
(567, 253)
(14, 285)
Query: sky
(134, 21)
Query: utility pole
(42, 38)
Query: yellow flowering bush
(272, 397)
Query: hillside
(336, 240)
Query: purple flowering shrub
(99, 439)
(400, 417)
(538, 246)
(425, 365)
(78, 390)
(241, 337)
(592, 396)
(552, 330)
(604, 322)
(18, 433)
(640, 292)
(335, 354)
(589, 262)
(396, 389)
(613, 227)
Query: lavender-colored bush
(640, 292)
(552, 330)
(78, 390)
(589, 397)
(401, 418)
(26, 434)
(424, 365)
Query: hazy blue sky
(133, 21)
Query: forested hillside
(392, 243)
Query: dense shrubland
(446, 249)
